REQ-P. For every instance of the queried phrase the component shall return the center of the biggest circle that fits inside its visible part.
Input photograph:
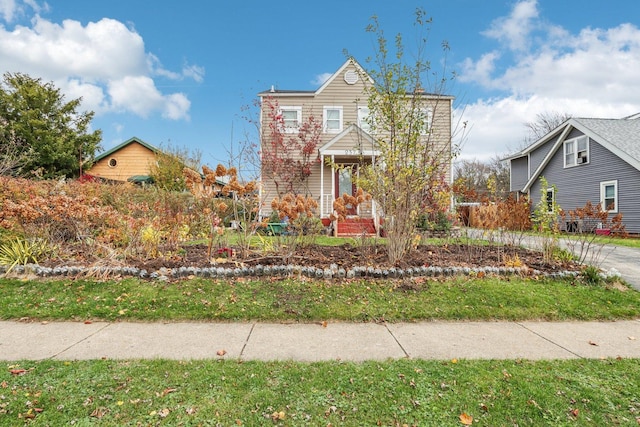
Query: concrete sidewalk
(315, 342)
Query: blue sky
(179, 73)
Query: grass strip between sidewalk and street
(460, 298)
(392, 393)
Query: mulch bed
(348, 256)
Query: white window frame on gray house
(576, 151)
(604, 196)
(332, 119)
(291, 118)
(550, 201)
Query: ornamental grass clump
(20, 251)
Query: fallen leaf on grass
(277, 416)
(324, 324)
(164, 413)
(17, 371)
(466, 419)
(99, 412)
(166, 391)
(575, 412)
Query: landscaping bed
(320, 261)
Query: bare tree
(545, 122)
(407, 178)
(475, 180)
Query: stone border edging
(332, 272)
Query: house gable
(351, 141)
(614, 135)
(351, 73)
(133, 140)
(132, 158)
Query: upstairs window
(364, 119)
(576, 151)
(291, 118)
(332, 119)
(426, 114)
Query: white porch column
(321, 185)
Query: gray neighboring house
(595, 160)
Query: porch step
(356, 227)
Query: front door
(345, 183)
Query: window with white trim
(576, 151)
(291, 118)
(609, 196)
(550, 199)
(332, 119)
(427, 115)
(364, 119)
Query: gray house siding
(539, 154)
(519, 173)
(579, 184)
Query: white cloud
(176, 107)
(515, 29)
(193, 71)
(12, 9)
(8, 9)
(137, 94)
(320, 79)
(591, 73)
(103, 62)
(480, 71)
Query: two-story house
(346, 140)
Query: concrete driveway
(623, 259)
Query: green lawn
(252, 393)
(393, 393)
(306, 300)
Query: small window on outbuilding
(113, 162)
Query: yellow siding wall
(133, 159)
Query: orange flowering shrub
(298, 212)
(56, 216)
(224, 200)
(342, 204)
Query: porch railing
(327, 205)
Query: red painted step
(356, 226)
